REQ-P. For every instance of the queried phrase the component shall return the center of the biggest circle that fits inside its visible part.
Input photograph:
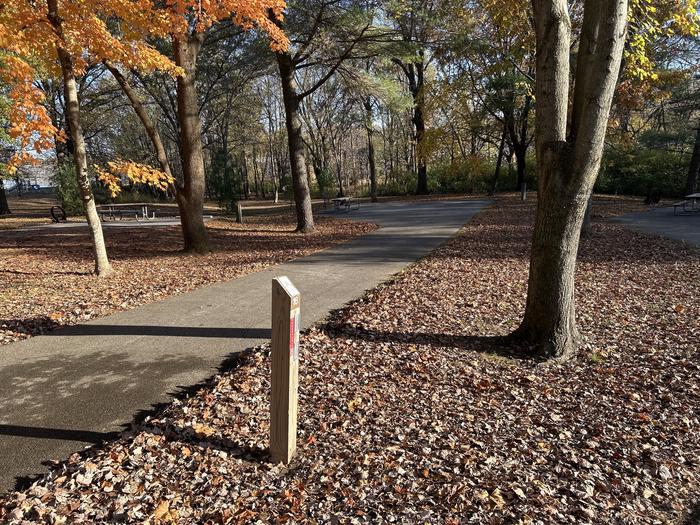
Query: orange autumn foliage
(96, 30)
(135, 172)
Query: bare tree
(309, 24)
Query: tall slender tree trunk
(102, 266)
(518, 139)
(520, 166)
(300, 182)
(567, 165)
(190, 198)
(256, 186)
(694, 169)
(246, 178)
(414, 72)
(4, 206)
(422, 168)
(370, 151)
(144, 117)
(418, 91)
(499, 161)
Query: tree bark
(694, 169)
(300, 182)
(586, 226)
(4, 206)
(102, 265)
(566, 165)
(190, 198)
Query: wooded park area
(334, 98)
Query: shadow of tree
(30, 325)
(49, 406)
(501, 346)
(64, 439)
(694, 516)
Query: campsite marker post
(286, 317)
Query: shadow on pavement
(162, 331)
(57, 433)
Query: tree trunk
(300, 182)
(102, 266)
(567, 165)
(419, 123)
(499, 161)
(520, 165)
(694, 169)
(246, 178)
(144, 117)
(370, 152)
(190, 198)
(4, 206)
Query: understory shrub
(67, 189)
(642, 171)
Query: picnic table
(346, 202)
(139, 210)
(689, 205)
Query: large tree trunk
(102, 266)
(694, 169)
(370, 151)
(567, 166)
(4, 206)
(190, 198)
(191, 213)
(302, 196)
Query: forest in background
(430, 96)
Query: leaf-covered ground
(46, 281)
(411, 411)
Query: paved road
(662, 221)
(130, 223)
(62, 391)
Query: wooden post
(286, 317)
(239, 213)
(523, 195)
